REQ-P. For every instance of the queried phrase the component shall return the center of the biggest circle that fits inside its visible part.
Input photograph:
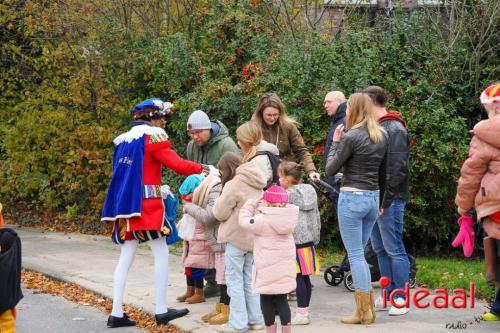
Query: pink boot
(286, 329)
(271, 329)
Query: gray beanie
(198, 120)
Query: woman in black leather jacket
(361, 152)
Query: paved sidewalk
(46, 313)
(90, 260)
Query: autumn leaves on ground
(77, 294)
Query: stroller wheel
(413, 281)
(333, 275)
(349, 282)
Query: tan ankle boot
(214, 313)
(355, 318)
(222, 317)
(365, 309)
(372, 303)
(189, 292)
(198, 297)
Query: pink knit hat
(276, 194)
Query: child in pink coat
(272, 221)
(479, 183)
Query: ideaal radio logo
(441, 299)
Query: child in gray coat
(306, 235)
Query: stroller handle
(323, 187)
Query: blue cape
(124, 197)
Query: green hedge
(73, 70)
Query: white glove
(165, 191)
(213, 171)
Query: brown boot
(355, 317)
(189, 292)
(198, 297)
(365, 309)
(372, 303)
(222, 317)
(214, 313)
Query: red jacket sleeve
(162, 151)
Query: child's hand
(253, 203)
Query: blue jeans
(387, 242)
(357, 213)
(244, 305)
(495, 308)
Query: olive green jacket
(211, 152)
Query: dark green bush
(73, 70)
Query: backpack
(10, 269)
(275, 161)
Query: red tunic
(157, 154)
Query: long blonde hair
(271, 100)
(361, 114)
(250, 134)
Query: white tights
(127, 255)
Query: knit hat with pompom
(276, 194)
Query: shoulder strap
(274, 160)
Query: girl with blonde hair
(279, 129)
(246, 183)
(256, 150)
(361, 152)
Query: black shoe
(172, 314)
(120, 322)
(211, 291)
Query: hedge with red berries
(72, 70)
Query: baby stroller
(335, 274)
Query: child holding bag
(306, 235)
(197, 254)
(201, 209)
(272, 221)
(479, 183)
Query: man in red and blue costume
(134, 204)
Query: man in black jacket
(335, 106)
(387, 234)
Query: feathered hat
(491, 94)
